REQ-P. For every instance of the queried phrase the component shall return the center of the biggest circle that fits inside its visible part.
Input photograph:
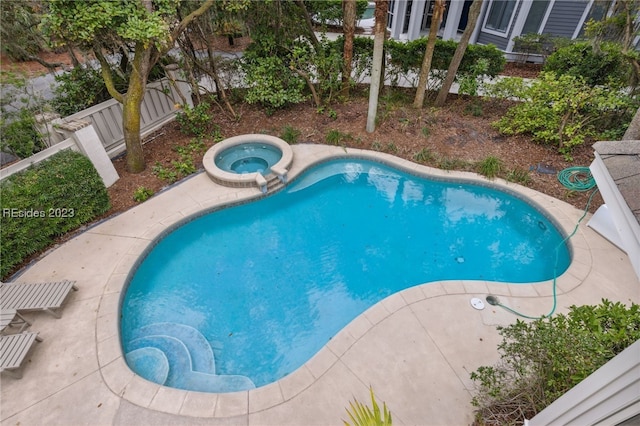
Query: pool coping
(131, 387)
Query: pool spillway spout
(281, 172)
(262, 183)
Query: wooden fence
(157, 109)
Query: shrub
(142, 194)
(336, 137)
(565, 111)
(538, 44)
(164, 173)
(47, 200)
(19, 134)
(518, 175)
(605, 66)
(543, 359)
(194, 120)
(290, 134)
(80, 89)
(270, 82)
(490, 167)
(513, 88)
(425, 155)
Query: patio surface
(416, 348)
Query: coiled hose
(575, 179)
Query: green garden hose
(576, 179)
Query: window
(407, 17)
(597, 13)
(392, 5)
(499, 15)
(536, 14)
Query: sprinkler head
(493, 300)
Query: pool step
(273, 183)
(151, 363)
(202, 358)
(179, 356)
(174, 350)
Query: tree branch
(106, 75)
(307, 19)
(187, 20)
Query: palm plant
(362, 415)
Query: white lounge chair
(13, 351)
(35, 297)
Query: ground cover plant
(543, 359)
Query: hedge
(45, 201)
(406, 57)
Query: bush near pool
(45, 201)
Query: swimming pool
(244, 296)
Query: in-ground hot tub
(248, 160)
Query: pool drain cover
(477, 303)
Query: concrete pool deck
(416, 348)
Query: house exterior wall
(562, 18)
(486, 38)
(565, 17)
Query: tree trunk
(474, 13)
(438, 11)
(349, 27)
(376, 66)
(633, 131)
(131, 108)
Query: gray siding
(486, 38)
(565, 17)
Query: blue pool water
(249, 158)
(244, 296)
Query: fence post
(89, 143)
(45, 125)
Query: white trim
(453, 20)
(396, 31)
(417, 10)
(496, 32)
(523, 14)
(543, 24)
(478, 28)
(585, 13)
(623, 219)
